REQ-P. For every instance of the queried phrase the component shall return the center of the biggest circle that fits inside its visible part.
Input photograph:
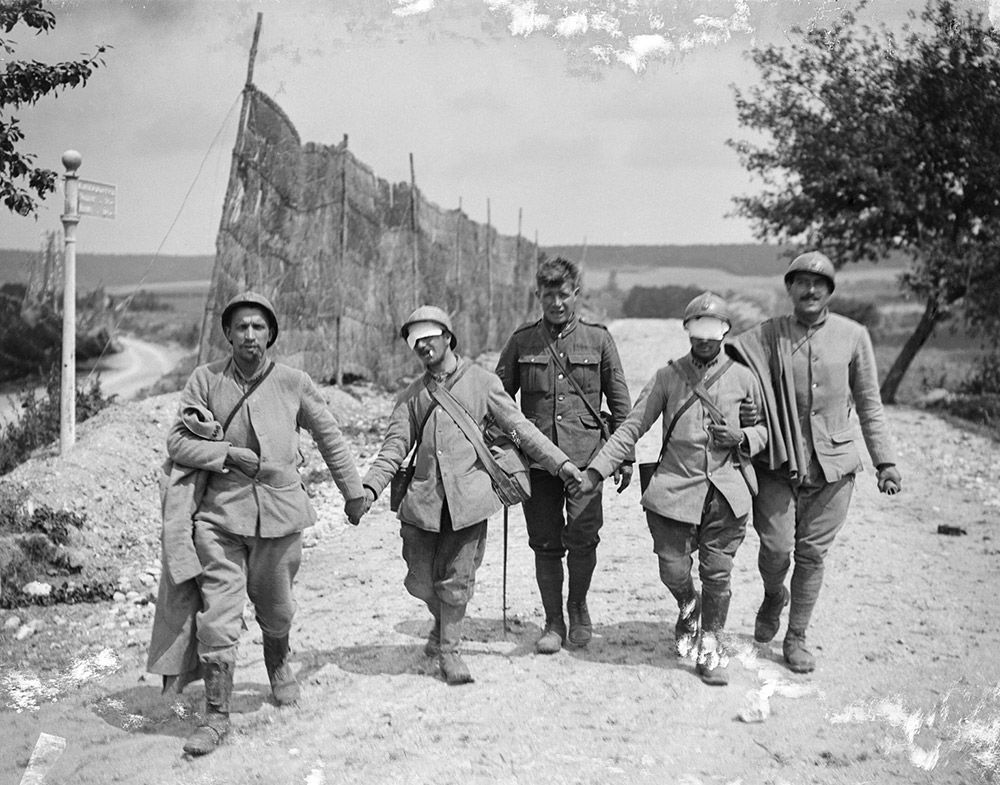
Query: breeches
(803, 521)
(235, 567)
(550, 532)
(716, 541)
(441, 566)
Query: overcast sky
(603, 120)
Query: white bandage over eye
(420, 330)
(707, 328)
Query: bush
(863, 311)
(38, 421)
(658, 302)
(984, 380)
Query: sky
(601, 121)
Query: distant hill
(94, 270)
(748, 259)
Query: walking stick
(504, 590)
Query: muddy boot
(768, 620)
(284, 687)
(453, 669)
(215, 725)
(712, 659)
(580, 565)
(549, 575)
(798, 657)
(688, 623)
(580, 628)
(432, 648)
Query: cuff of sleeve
(370, 488)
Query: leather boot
(284, 687)
(798, 657)
(454, 670)
(580, 565)
(432, 648)
(549, 575)
(688, 623)
(768, 620)
(712, 658)
(215, 724)
(580, 628)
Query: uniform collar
(704, 366)
(241, 377)
(561, 330)
(815, 325)
(444, 376)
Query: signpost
(82, 197)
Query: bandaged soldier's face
(248, 333)
(810, 294)
(432, 349)
(558, 302)
(705, 349)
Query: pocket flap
(843, 436)
(535, 359)
(583, 358)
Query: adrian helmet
(812, 262)
(427, 315)
(252, 300)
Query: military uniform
(553, 404)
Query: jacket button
(561, 376)
(562, 397)
(559, 417)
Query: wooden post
(338, 368)
(414, 233)
(206, 322)
(70, 218)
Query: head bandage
(707, 328)
(420, 330)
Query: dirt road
(907, 688)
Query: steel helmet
(812, 262)
(252, 300)
(708, 304)
(429, 313)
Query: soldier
(698, 498)
(443, 514)
(817, 371)
(562, 365)
(249, 519)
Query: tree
(875, 143)
(22, 83)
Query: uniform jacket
(812, 411)
(273, 503)
(549, 400)
(447, 466)
(691, 462)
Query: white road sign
(96, 199)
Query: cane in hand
(504, 589)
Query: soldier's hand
(356, 508)
(244, 459)
(590, 482)
(890, 482)
(571, 476)
(623, 476)
(748, 413)
(725, 436)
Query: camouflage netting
(334, 248)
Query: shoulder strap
(569, 377)
(256, 383)
(701, 390)
(464, 421)
(427, 415)
(687, 371)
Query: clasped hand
(355, 509)
(725, 436)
